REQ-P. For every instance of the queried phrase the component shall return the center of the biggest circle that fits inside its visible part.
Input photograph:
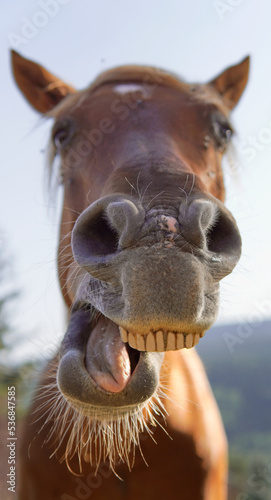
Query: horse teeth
(141, 344)
(180, 341)
(150, 342)
(171, 341)
(160, 341)
(132, 340)
(123, 334)
(189, 340)
(160, 344)
(196, 339)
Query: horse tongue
(107, 359)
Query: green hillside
(238, 363)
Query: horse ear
(232, 82)
(42, 89)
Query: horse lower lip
(78, 387)
(160, 341)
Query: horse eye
(62, 133)
(225, 132)
(222, 132)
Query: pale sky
(78, 39)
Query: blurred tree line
(10, 373)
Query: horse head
(145, 236)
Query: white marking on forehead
(128, 88)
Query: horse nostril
(100, 237)
(223, 237)
(93, 239)
(103, 228)
(210, 226)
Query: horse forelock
(138, 74)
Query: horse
(124, 408)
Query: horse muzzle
(156, 273)
(150, 284)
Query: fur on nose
(196, 220)
(126, 218)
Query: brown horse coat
(144, 241)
